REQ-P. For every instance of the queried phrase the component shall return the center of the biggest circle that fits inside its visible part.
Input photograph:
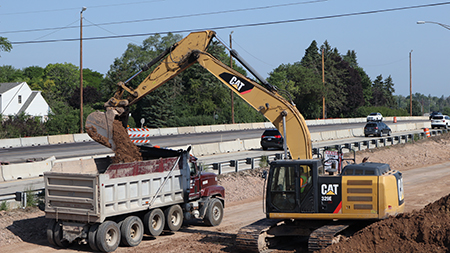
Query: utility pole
(410, 86)
(232, 93)
(323, 81)
(81, 69)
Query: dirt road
(25, 232)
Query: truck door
(194, 192)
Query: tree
(65, 77)
(5, 45)
(10, 74)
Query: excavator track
(252, 238)
(324, 236)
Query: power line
(170, 17)
(76, 8)
(243, 25)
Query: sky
(383, 33)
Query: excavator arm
(264, 98)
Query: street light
(81, 68)
(431, 22)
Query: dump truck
(95, 202)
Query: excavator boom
(183, 54)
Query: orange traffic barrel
(395, 119)
(427, 132)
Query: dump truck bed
(103, 190)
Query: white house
(16, 98)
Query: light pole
(81, 68)
(410, 86)
(431, 22)
(232, 93)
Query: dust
(126, 151)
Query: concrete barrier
(186, 130)
(245, 126)
(344, 133)
(250, 144)
(268, 125)
(10, 143)
(168, 131)
(328, 135)
(218, 128)
(316, 137)
(258, 125)
(34, 141)
(358, 132)
(203, 129)
(231, 146)
(232, 127)
(26, 170)
(205, 149)
(82, 138)
(60, 139)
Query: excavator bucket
(99, 126)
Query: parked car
(434, 113)
(439, 121)
(375, 116)
(271, 138)
(376, 128)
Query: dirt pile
(426, 230)
(126, 151)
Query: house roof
(4, 87)
(28, 102)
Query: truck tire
(154, 222)
(92, 237)
(58, 236)
(132, 231)
(50, 227)
(214, 213)
(174, 218)
(108, 236)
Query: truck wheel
(132, 231)
(58, 236)
(92, 237)
(108, 236)
(50, 227)
(174, 217)
(154, 222)
(214, 214)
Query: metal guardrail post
(236, 165)
(383, 141)
(218, 167)
(357, 145)
(250, 161)
(366, 143)
(278, 156)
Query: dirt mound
(426, 230)
(126, 151)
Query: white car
(375, 116)
(438, 121)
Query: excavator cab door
(291, 186)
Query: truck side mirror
(264, 174)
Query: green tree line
(196, 97)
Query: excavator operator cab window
(283, 188)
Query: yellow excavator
(305, 202)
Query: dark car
(376, 128)
(271, 138)
(434, 114)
